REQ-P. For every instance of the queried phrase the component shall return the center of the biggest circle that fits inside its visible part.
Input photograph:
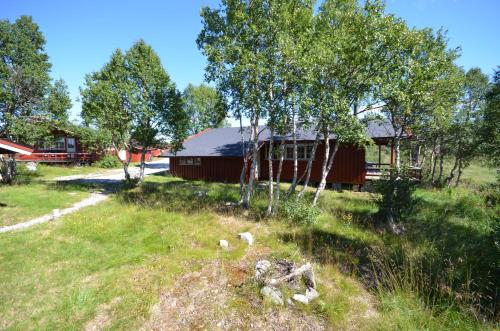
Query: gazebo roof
(10, 147)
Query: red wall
(219, 169)
(136, 156)
(348, 167)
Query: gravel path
(118, 175)
(95, 198)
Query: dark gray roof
(227, 141)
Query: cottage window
(304, 152)
(190, 161)
(58, 144)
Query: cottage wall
(348, 167)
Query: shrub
(299, 212)
(397, 195)
(108, 161)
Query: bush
(299, 212)
(397, 195)
(108, 161)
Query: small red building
(64, 148)
(216, 155)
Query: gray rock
(311, 294)
(273, 294)
(201, 194)
(246, 236)
(309, 278)
(261, 267)
(31, 166)
(223, 243)
(301, 298)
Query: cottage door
(70, 145)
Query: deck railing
(60, 157)
(375, 171)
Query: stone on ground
(273, 294)
(301, 298)
(262, 267)
(309, 278)
(31, 166)
(246, 236)
(223, 243)
(311, 293)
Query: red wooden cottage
(216, 155)
(65, 147)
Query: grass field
(111, 265)
(36, 194)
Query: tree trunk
(309, 165)
(245, 161)
(460, 171)
(255, 153)
(423, 158)
(270, 163)
(449, 179)
(280, 167)
(126, 161)
(326, 167)
(441, 167)
(143, 164)
(433, 163)
(397, 153)
(8, 169)
(291, 190)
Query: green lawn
(36, 194)
(52, 171)
(113, 263)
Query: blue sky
(82, 34)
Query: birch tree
(106, 104)
(156, 107)
(418, 58)
(349, 62)
(466, 123)
(233, 41)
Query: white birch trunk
(309, 165)
(270, 164)
(291, 190)
(255, 152)
(280, 167)
(143, 164)
(326, 167)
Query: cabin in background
(217, 155)
(65, 147)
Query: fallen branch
(305, 270)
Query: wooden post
(379, 155)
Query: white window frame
(52, 146)
(287, 146)
(190, 161)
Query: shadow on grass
(182, 196)
(449, 252)
(331, 248)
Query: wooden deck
(376, 171)
(81, 158)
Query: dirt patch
(217, 297)
(103, 317)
